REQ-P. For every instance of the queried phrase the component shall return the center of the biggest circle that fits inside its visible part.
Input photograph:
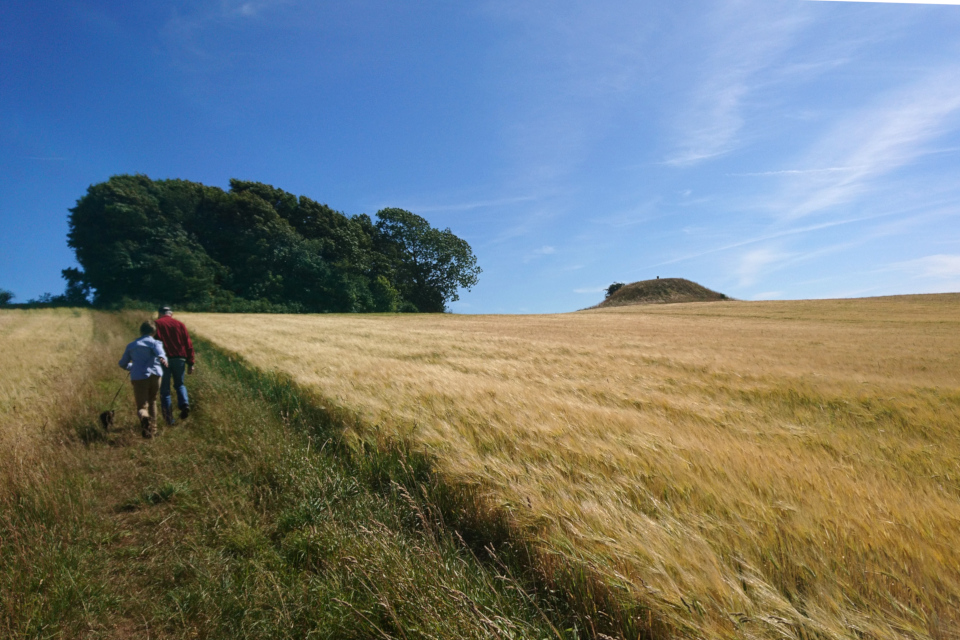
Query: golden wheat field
(744, 469)
(39, 354)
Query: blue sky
(765, 148)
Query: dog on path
(106, 420)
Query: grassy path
(246, 521)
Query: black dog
(106, 420)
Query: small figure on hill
(145, 359)
(176, 340)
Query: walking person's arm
(191, 356)
(160, 353)
(127, 360)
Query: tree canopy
(256, 247)
(428, 265)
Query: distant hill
(661, 291)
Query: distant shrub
(5, 296)
(385, 296)
(616, 286)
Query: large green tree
(129, 238)
(186, 243)
(428, 265)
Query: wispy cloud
(936, 266)
(877, 140)
(792, 172)
(470, 205)
(590, 290)
(718, 120)
(526, 225)
(757, 262)
(575, 71)
(213, 12)
(642, 213)
(247, 8)
(545, 250)
(185, 31)
(773, 235)
(745, 39)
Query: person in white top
(144, 358)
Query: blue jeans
(174, 371)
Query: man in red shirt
(176, 341)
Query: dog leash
(117, 394)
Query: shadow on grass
(256, 518)
(574, 595)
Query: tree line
(255, 248)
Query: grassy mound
(665, 291)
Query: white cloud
(936, 266)
(753, 264)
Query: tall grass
(570, 602)
(248, 520)
(39, 352)
(59, 370)
(737, 469)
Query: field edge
(489, 531)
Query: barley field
(39, 355)
(741, 469)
